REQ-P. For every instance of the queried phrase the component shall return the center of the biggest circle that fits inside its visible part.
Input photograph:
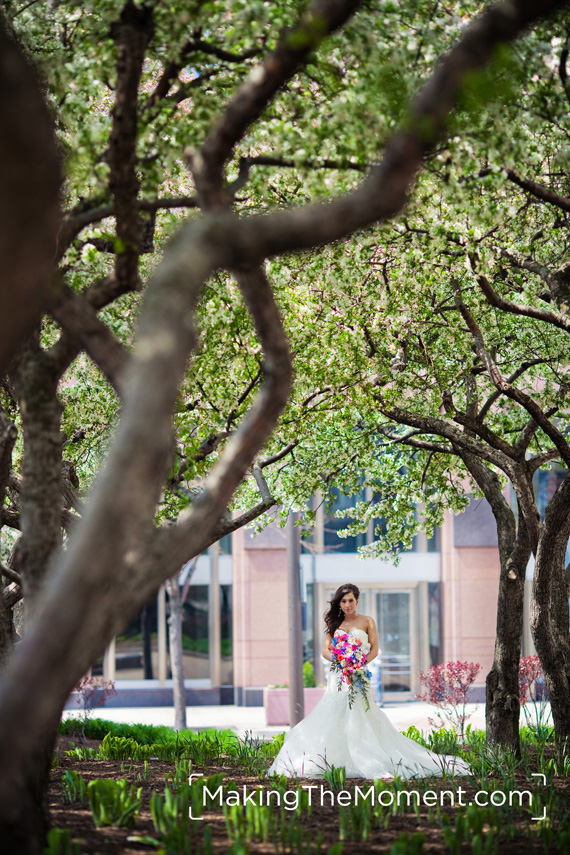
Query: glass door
(393, 618)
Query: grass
(145, 734)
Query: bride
(356, 735)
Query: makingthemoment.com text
(320, 795)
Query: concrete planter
(276, 703)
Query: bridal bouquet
(348, 661)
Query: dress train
(364, 741)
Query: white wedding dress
(365, 742)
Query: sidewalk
(252, 719)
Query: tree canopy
(341, 307)
(225, 140)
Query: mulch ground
(323, 819)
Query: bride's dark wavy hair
(335, 616)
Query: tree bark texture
(116, 560)
(30, 181)
(41, 499)
(132, 33)
(146, 640)
(502, 714)
(176, 652)
(549, 618)
(8, 435)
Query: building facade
(438, 603)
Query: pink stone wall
(260, 608)
(470, 605)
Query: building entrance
(394, 636)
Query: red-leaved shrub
(446, 686)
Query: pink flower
(530, 670)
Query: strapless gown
(364, 741)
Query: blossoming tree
(155, 71)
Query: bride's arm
(373, 639)
(325, 652)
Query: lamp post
(296, 700)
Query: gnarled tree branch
(131, 32)
(540, 191)
(30, 180)
(510, 391)
(84, 330)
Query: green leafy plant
(196, 792)
(123, 748)
(169, 811)
(170, 817)
(417, 735)
(309, 681)
(113, 802)
(335, 777)
(59, 842)
(475, 739)
(144, 734)
(355, 821)
(454, 834)
(277, 742)
(73, 787)
(408, 844)
(444, 741)
(142, 775)
(494, 760)
(177, 779)
(82, 753)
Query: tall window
(227, 670)
(136, 655)
(434, 622)
(393, 619)
(334, 543)
(547, 482)
(195, 639)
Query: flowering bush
(530, 671)
(348, 661)
(446, 686)
(92, 693)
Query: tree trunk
(146, 640)
(25, 804)
(8, 435)
(41, 498)
(30, 181)
(176, 653)
(6, 631)
(549, 618)
(502, 710)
